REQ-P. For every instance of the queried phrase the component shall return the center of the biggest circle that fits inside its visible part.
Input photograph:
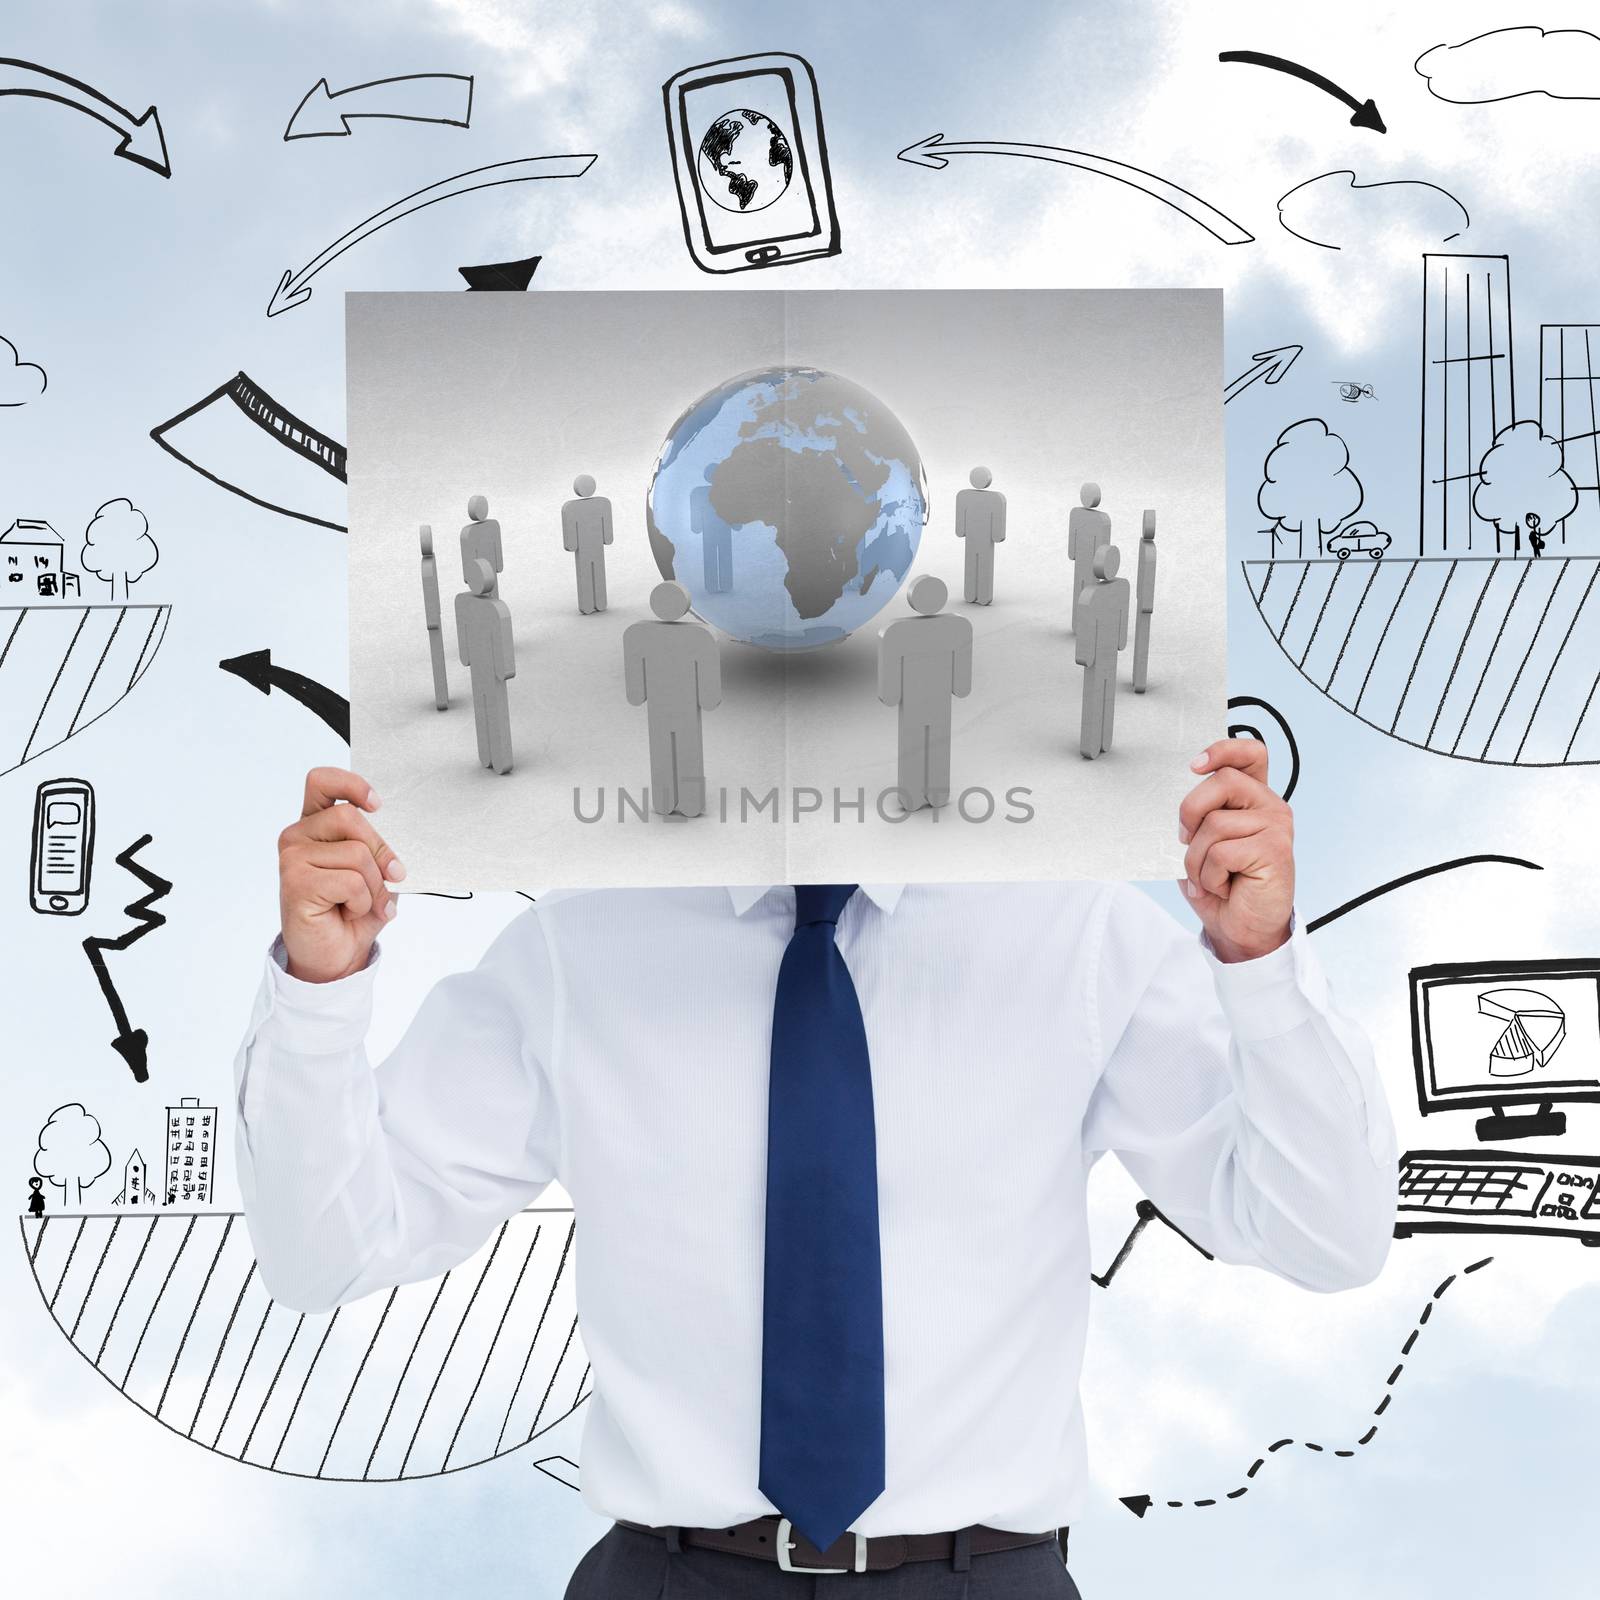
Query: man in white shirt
(873, 1338)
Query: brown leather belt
(775, 1539)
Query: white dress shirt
(618, 1041)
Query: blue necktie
(822, 1326)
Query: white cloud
(20, 381)
(1563, 63)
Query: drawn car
(1359, 538)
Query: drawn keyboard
(1451, 1191)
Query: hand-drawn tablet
(279, 463)
(751, 163)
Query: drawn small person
(981, 521)
(435, 622)
(673, 667)
(1088, 531)
(1535, 538)
(480, 540)
(1145, 603)
(35, 1197)
(483, 637)
(586, 531)
(925, 662)
(1101, 629)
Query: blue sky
(139, 295)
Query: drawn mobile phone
(63, 847)
(751, 163)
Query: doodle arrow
(142, 139)
(1366, 112)
(131, 1043)
(934, 152)
(1268, 364)
(256, 668)
(294, 288)
(422, 97)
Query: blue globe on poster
(789, 502)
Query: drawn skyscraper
(1569, 411)
(191, 1147)
(1467, 394)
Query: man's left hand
(1240, 860)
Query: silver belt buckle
(785, 1544)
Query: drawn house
(191, 1144)
(136, 1190)
(33, 563)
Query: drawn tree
(1307, 487)
(118, 547)
(1523, 483)
(71, 1153)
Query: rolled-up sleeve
(1243, 1102)
(358, 1177)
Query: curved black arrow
(1366, 112)
(1416, 877)
(294, 287)
(131, 1043)
(443, 97)
(935, 152)
(256, 668)
(142, 138)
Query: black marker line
(1416, 877)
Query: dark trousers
(626, 1565)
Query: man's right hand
(334, 873)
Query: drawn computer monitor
(1505, 1034)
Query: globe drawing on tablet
(746, 161)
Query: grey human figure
(1144, 603)
(716, 540)
(434, 619)
(586, 531)
(673, 667)
(1088, 530)
(981, 521)
(1101, 628)
(483, 637)
(480, 540)
(924, 662)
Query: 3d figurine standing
(981, 521)
(483, 636)
(480, 539)
(673, 667)
(586, 531)
(432, 617)
(1144, 603)
(1088, 531)
(716, 541)
(924, 662)
(1100, 625)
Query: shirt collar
(886, 896)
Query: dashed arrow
(1138, 1504)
